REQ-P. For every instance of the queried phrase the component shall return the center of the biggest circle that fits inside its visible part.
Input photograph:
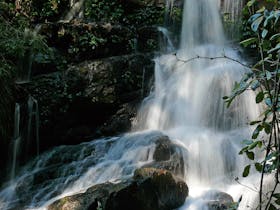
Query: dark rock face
(154, 189)
(76, 105)
(149, 189)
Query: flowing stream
(186, 105)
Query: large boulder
(149, 189)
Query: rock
(217, 200)
(114, 80)
(149, 189)
(93, 198)
(148, 37)
(169, 156)
(121, 121)
(76, 103)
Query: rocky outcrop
(91, 98)
(149, 189)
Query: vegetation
(261, 29)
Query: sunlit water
(186, 105)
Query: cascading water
(16, 140)
(33, 122)
(232, 17)
(186, 105)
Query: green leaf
(264, 33)
(257, 132)
(259, 97)
(255, 25)
(276, 195)
(258, 167)
(249, 41)
(275, 36)
(277, 201)
(272, 207)
(250, 3)
(267, 127)
(254, 17)
(246, 171)
(253, 145)
(261, 9)
(250, 155)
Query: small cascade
(232, 9)
(166, 43)
(76, 10)
(26, 60)
(232, 12)
(33, 123)
(16, 141)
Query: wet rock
(121, 121)
(169, 156)
(149, 189)
(115, 79)
(93, 198)
(217, 200)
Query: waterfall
(232, 17)
(186, 105)
(33, 123)
(16, 141)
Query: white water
(16, 140)
(186, 105)
(33, 122)
(233, 9)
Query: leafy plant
(104, 11)
(264, 80)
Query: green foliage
(104, 11)
(149, 15)
(16, 40)
(84, 41)
(262, 32)
(115, 12)
(48, 10)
